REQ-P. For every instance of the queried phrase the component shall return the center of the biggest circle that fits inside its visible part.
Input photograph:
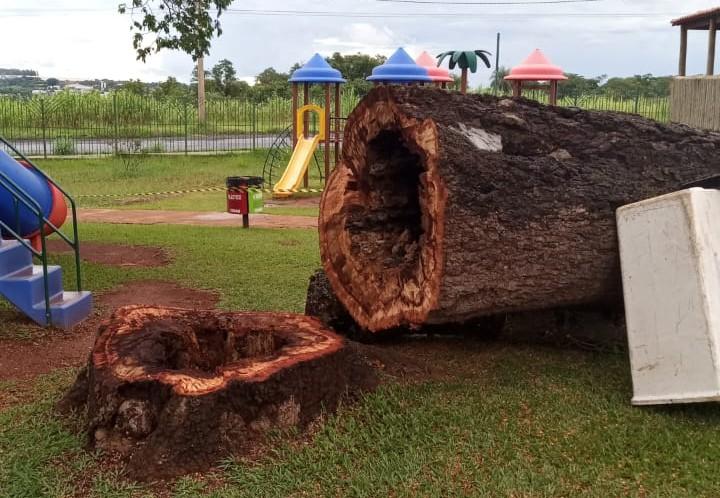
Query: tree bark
(172, 391)
(447, 207)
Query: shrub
(64, 146)
(132, 155)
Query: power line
(350, 14)
(518, 2)
(369, 15)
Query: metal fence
(93, 124)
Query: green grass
(501, 421)
(256, 269)
(85, 178)
(490, 419)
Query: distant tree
(136, 87)
(498, 84)
(466, 61)
(194, 75)
(240, 89)
(52, 82)
(645, 84)
(356, 66)
(171, 89)
(271, 82)
(270, 77)
(187, 25)
(576, 85)
(224, 75)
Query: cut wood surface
(173, 391)
(447, 207)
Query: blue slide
(31, 182)
(21, 281)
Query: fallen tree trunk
(448, 207)
(172, 391)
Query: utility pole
(201, 88)
(200, 77)
(497, 64)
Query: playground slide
(293, 176)
(46, 195)
(36, 290)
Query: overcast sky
(88, 39)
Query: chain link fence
(69, 124)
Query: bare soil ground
(157, 217)
(22, 360)
(115, 254)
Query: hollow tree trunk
(447, 207)
(172, 391)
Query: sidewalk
(153, 217)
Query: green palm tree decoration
(466, 60)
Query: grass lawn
(492, 419)
(88, 177)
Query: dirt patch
(115, 254)
(209, 219)
(294, 202)
(21, 360)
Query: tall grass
(126, 115)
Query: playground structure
(536, 68)
(296, 147)
(401, 69)
(33, 206)
(440, 76)
(304, 144)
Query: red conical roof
(436, 73)
(537, 67)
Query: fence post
(44, 126)
(116, 131)
(254, 125)
(185, 113)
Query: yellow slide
(303, 153)
(298, 165)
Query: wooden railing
(695, 101)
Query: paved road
(91, 146)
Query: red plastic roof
(436, 73)
(537, 67)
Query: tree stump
(172, 391)
(447, 207)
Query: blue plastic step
(23, 284)
(13, 257)
(68, 309)
(26, 287)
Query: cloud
(88, 38)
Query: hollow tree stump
(172, 391)
(448, 207)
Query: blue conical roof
(400, 68)
(317, 70)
